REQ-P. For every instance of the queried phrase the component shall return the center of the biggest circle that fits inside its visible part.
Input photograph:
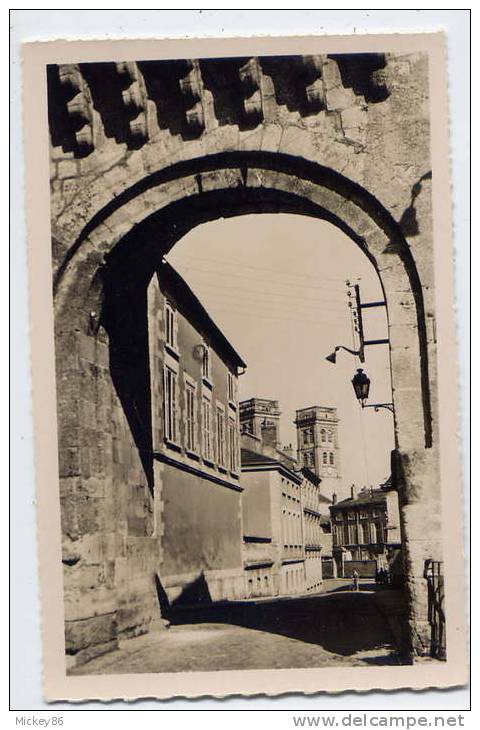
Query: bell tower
(260, 417)
(318, 445)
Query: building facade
(317, 531)
(195, 432)
(366, 528)
(318, 445)
(286, 522)
(274, 554)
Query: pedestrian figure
(355, 580)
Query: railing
(436, 610)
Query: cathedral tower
(318, 445)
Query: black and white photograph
(246, 468)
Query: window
(190, 417)
(332, 458)
(206, 428)
(379, 532)
(220, 437)
(308, 436)
(170, 325)
(206, 364)
(329, 437)
(353, 533)
(366, 532)
(308, 458)
(232, 445)
(231, 387)
(322, 435)
(324, 457)
(170, 405)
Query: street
(334, 628)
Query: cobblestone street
(334, 628)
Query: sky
(275, 285)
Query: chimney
(289, 451)
(334, 498)
(352, 491)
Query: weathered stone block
(338, 98)
(67, 168)
(92, 651)
(88, 632)
(69, 462)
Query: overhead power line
(253, 315)
(296, 285)
(239, 264)
(268, 295)
(216, 299)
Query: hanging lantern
(361, 385)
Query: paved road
(338, 628)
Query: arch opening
(189, 193)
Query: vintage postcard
(244, 366)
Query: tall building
(260, 417)
(196, 450)
(318, 445)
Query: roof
(252, 460)
(370, 496)
(189, 304)
(387, 484)
(311, 476)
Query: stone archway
(121, 244)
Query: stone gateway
(140, 154)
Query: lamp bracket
(377, 406)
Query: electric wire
(268, 295)
(212, 300)
(330, 291)
(238, 264)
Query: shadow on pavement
(370, 586)
(343, 622)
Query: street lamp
(333, 357)
(361, 386)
